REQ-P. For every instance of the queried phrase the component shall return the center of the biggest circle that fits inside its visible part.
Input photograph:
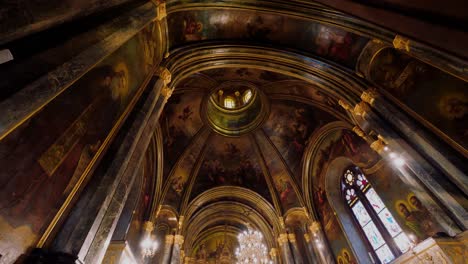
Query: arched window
(229, 102)
(384, 236)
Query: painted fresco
(282, 180)
(179, 177)
(231, 162)
(180, 121)
(409, 215)
(44, 158)
(289, 128)
(256, 76)
(326, 41)
(217, 248)
(409, 80)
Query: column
(295, 249)
(176, 250)
(274, 255)
(89, 227)
(319, 244)
(285, 249)
(417, 172)
(310, 249)
(169, 241)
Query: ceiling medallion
(235, 108)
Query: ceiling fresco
(267, 159)
(267, 29)
(233, 162)
(179, 122)
(289, 128)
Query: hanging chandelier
(149, 245)
(251, 249)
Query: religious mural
(233, 162)
(408, 80)
(180, 121)
(344, 143)
(282, 180)
(182, 172)
(218, 248)
(46, 156)
(289, 127)
(255, 76)
(327, 41)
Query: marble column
(176, 250)
(89, 227)
(319, 244)
(168, 243)
(298, 256)
(313, 256)
(285, 249)
(274, 256)
(417, 172)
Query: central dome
(235, 108)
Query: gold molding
(361, 109)
(161, 12)
(169, 239)
(179, 240)
(378, 145)
(370, 95)
(164, 74)
(292, 238)
(148, 226)
(402, 43)
(283, 238)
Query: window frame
(360, 195)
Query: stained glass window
(384, 235)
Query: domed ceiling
(266, 160)
(217, 143)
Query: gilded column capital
(370, 95)
(273, 252)
(401, 43)
(283, 238)
(166, 92)
(307, 238)
(148, 226)
(346, 106)
(169, 239)
(359, 132)
(281, 221)
(179, 240)
(378, 145)
(292, 238)
(164, 74)
(361, 109)
(315, 227)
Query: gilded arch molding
(332, 79)
(243, 195)
(315, 12)
(234, 212)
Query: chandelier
(149, 245)
(251, 249)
